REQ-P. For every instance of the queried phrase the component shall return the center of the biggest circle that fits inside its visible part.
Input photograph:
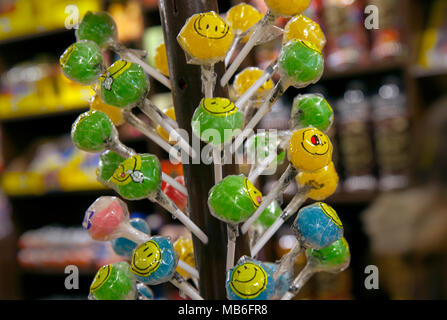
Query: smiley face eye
(315, 140)
(207, 26)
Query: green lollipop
(311, 110)
(300, 63)
(109, 161)
(82, 62)
(124, 84)
(114, 282)
(98, 27)
(269, 215)
(215, 116)
(234, 199)
(137, 177)
(93, 131)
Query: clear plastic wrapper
(144, 292)
(322, 182)
(123, 246)
(284, 281)
(287, 7)
(216, 120)
(311, 110)
(309, 149)
(82, 62)
(246, 78)
(162, 132)
(180, 199)
(205, 38)
(242, 17)
(98, 27)
(114, 282)
(185, 251)
(269, 215)
(301, 27)
(234, 199)
(124, 84)
(108, 162)
(259, 147)
(250, 279)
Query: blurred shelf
(40, 115)
(344, 198)
(61, 193)
(33, 36)
(421, 73)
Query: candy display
(250, 280)
(334, 258)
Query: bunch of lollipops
(122, 87)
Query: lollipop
(277, 8)
(250, 280)
(317, 185)
(144, 292)
(309, 150)
(162, 132)
(82, 62)
(284, 281)
(123, 246)
(302, 28)
(114, 282)
(115, 114)
(206, 38)
(139, 177)
(155, 262)
(185, 251)
(311, 110)
(316, 226)
(265, 220)
(334, 258)
(180, 199)
(233, 200)
(300, 64)
(241, 18)
(100, 28)
(161, 59)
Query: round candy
(122, 246)
(180, 199)
(215, 120)
(114, 282)
(269, 215)
(161, 59)
(98, 27)
(300, 63)
(309, 149)
(108, 162)
(82, 62)
(103, 218)
(259, 147)
(242, 17)
(115, 114)
(206, 38)
(333, 258)
(137, 177)
(124, 84)
(287, 7)
(92, 131)
(302, 28)
(311, 110)
(162, 132)
(234, 199)
(185, 251)
(250, 280)
(247, 77)
(323, 182)
(154, 261)
(317, 225)
(284, 281)
(144, 292)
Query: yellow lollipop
(302, 28)
(185, 251)
(206, 38)
(246, 78)
(163, 133)
(242, 17)
(115, 114)
(161, 59)
(322, 183)
(287, 7)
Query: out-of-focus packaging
(355, 142)
(129, 20)
(347, 42)
(392, 135)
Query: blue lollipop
(284, 281)
(124, 247)
(144, 292)
(250, 279)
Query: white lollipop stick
(288, 212)
(245, 97)
(218, 175)
(133, 234)
(178, 281)
(170, 180)
(208, 80)
(233, 47)
(118, 147)
(162, 199)
(285, 179)
(231, 244)
(142, 127)
(192, 271)
(299, 282)
(149, 104)
(257, 34)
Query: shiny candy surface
(333, 258)
(98, 27)
(185, 251)
(161, 59)
(247, 77)
(302, 28)
(311, 110)
(323, 182)
(309, 149)
(287, 7)
(114, 282)
(108, 163)
(242, 17)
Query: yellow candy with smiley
(309, 149)
(302, 28)
(287, 7)
(206, 38)
(242, 17)
(323, 182)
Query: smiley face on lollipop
(146, 258)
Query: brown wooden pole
(199, 178)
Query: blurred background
(388, 91)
